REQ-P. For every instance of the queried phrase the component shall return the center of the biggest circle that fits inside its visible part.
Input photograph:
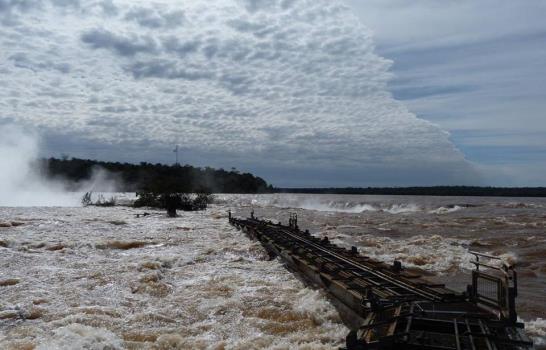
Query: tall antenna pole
(176, 151)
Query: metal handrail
(505, 267)
(484, 255)
(504, 271)
(505, 302)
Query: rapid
(102, 278)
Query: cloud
(21, 60)
(151, 18)
(257, 5)
(119, 109)
(173, 44)
(293, 85)
(165, 69)
(122, 45)
(7, 6)
(66, 3)
(10, 10)
(108, 7)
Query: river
(103, 278)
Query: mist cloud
(22, 182)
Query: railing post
(512, 294)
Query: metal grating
(489, 289)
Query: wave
(336, 206)
(349, 207)
(340, 207)
(536, 329)
(403, 208)
(520, 205)
(431, 253)
(434, 253)
(446, 210)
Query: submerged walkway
(389, 308)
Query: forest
(158, 178)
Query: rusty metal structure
(388, 307)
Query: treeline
(427, 191)
(158, 178)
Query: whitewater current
(103, 278)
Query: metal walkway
(389, 308)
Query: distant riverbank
(426, 191)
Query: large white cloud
(292, 83)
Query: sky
(477, 69)
(300, 92)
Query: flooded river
(101, 278)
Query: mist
(23, 184)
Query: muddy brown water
(102, 278)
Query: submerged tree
(174, 201)
(101, 201)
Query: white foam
(339, 206)
(78, 336)
(536, 329)
(204, 281)
(346, 207)
(446, 210)
(433, 253)
(323, 204)
(402, 208)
